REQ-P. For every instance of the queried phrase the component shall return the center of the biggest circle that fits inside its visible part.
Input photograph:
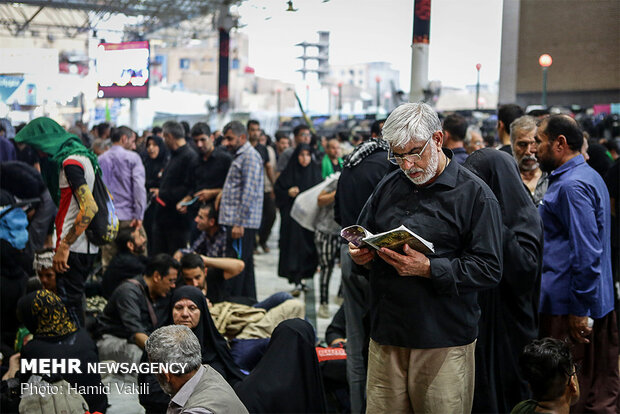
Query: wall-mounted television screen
(123, 70)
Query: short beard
(530, 167)
(428, 173)
(167, 388)
(139, 250)
(547, 165)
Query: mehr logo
(47, 366)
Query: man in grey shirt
(194, 388)
(524, 141)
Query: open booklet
(393, 239)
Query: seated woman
(56, 336)
(288, 378)
(189, 308)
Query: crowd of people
(126, 248)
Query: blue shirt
(576, 277)
(242, 195)
(460, 155)
(7, 150)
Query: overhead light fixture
(290, 6)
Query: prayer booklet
(394, 239)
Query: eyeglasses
(412, 157)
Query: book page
(395, 240)
(355, 234)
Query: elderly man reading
(423, 309)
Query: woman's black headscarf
(215, 351)
(288, 377)
(44, 314)
(153, 167)
(294, 175)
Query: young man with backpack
(73, 177)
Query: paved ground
(268, 282)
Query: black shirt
(459, 214)
(177, 181)
(212, 172)
(460, 155)
(355, 186)
(337, 167)
(506, 148)
(127, 312)
(262, 150)
(217, 292)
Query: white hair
(472, 129)
(410, 121)
(521, 126)
(174, 344)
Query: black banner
(222, 102)
(421, 21)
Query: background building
(360, 80)
(581, 36)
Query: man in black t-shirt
(210, 171)
(136, 308)
(128, 262)
(172, 228)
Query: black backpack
(104, 226)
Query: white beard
(428, 173)
(167, 388)
(530, 167)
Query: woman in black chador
(298, 256)
(155, 159)
(509, 311)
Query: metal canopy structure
(78, 16)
